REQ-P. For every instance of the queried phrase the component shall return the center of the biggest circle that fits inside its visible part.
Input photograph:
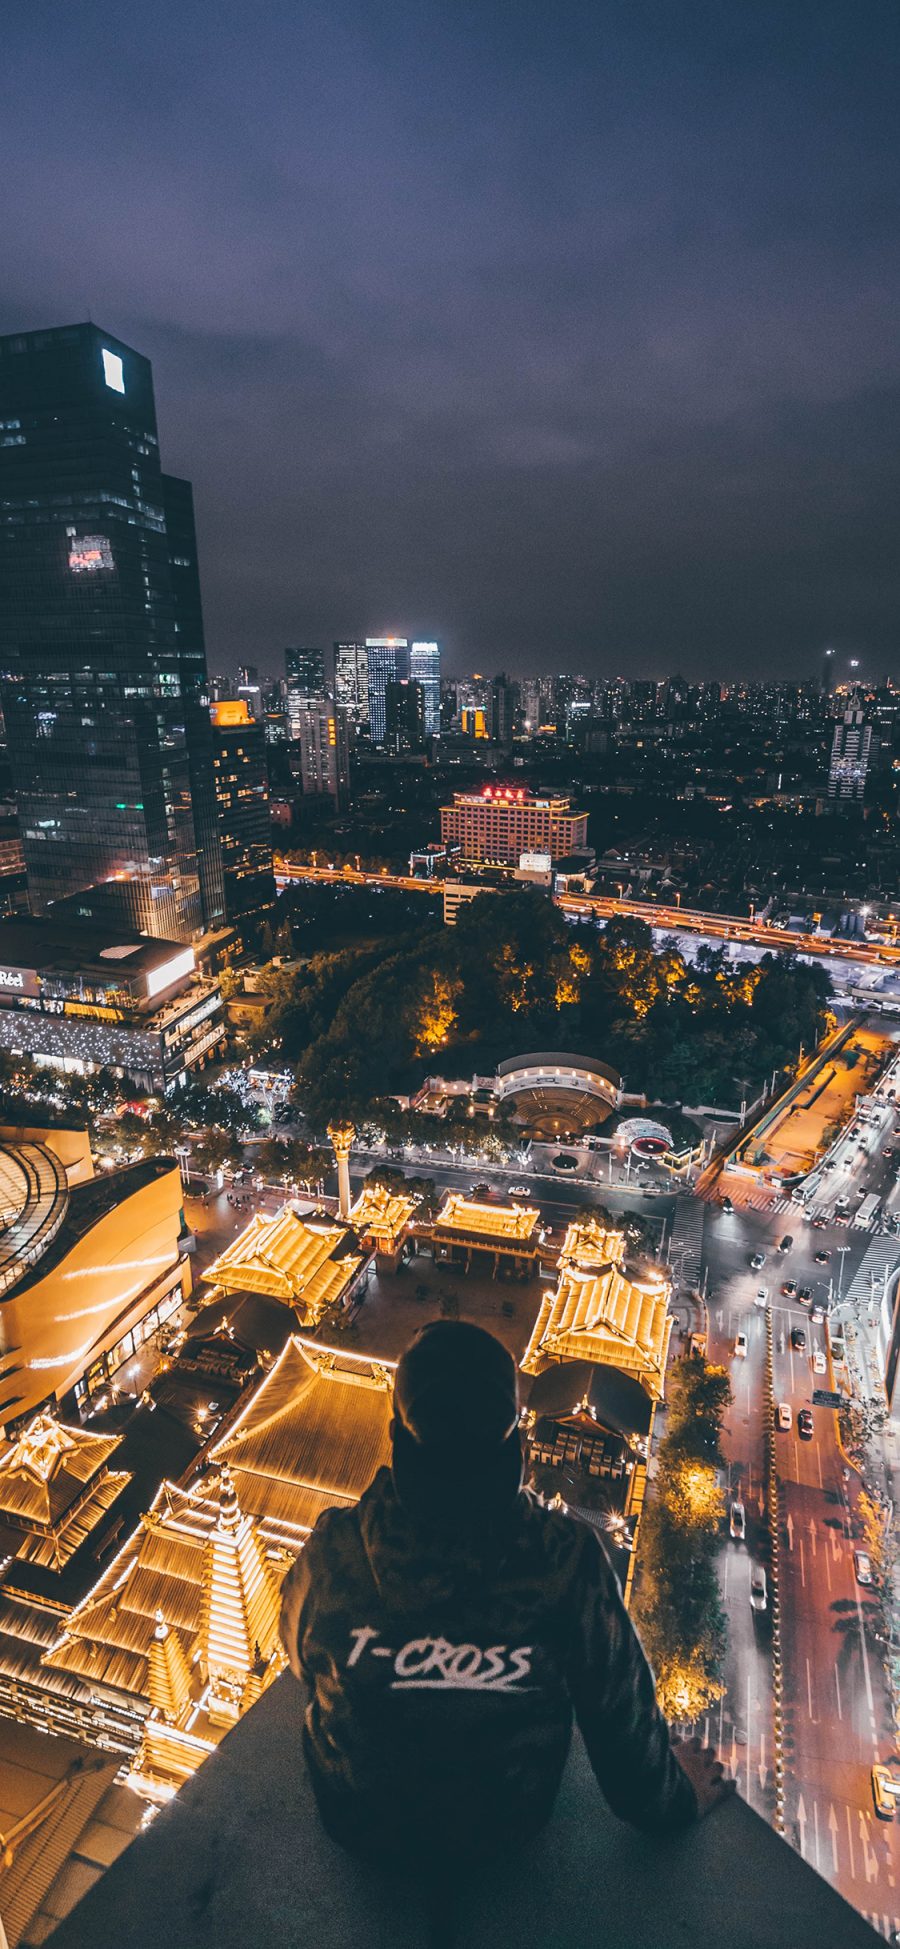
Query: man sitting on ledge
(447, 1627)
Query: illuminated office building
(425, 669)
(849, 763)
(242, 804)
(103, 666)
(319, 732)
(351, 680)
(388, 662)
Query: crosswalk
(686, 1242)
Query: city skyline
(625, 391)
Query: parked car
(759, 1596)
(785, 1417)
(798, 1339)
(757, 1261)
(738, 1522)
(805, 1424)
(740, 1346)
(885, 1791)
(820, 1364)
(863, 1566)
(761, 1296)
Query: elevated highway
(659, 915)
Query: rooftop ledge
(240, 1858)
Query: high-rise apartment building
(499, 824)
(388, 662)
(849, 762)
(322, 737)
(425, 669)
(351, 680)
(101, 652)
(242, 806)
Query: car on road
(759, 1595)
(888, 1152)
(761, 1297)
(757, 1262)
(863, 1566)
(518, 1190)
(727, 1207)
(819, 1224)
(804, 1294)
(817, 1310)
(820, 1364)
(737, 1523)
(798, 1339)
(480, 1191)
(786, 1243)
(785, 1417)
(842, 1217)
(740, 1346)
(822, 1258)
(885, 1791)
(805, 1424)
(789, 1288)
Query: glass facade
(425, 669)
(102, 661)
(242, 806)
(388, 662)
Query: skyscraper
(388, 662)
(242, 808)
(425, 668)
(351, 680)
(323, 741)
(102, 662)
(305, 672)
(404, 715)
(849, 762)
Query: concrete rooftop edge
(240, 1857)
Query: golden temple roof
(466, 1218)
(303, 1261)
(604, 1311)
(55, 1486)
(381, 1211)
(311, 1436)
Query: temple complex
(604, 1310)
(178, 1635)
(500, 1239)
(55, 1486)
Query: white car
(762, 1296)
(759, 1596)
(820, 1364)
(518, 1190)
(863, 1563)
(785, 1417)
(738, 1522)
(740, 1346)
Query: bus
(869, 1209)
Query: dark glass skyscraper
(102, 661)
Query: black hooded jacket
(442, 1669)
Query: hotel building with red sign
(497, 825)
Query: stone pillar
(341, 1136)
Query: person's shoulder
(341, 1526)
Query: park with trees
(513, 974)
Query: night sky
(568, 334)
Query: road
(673, 920)
(837, 1715)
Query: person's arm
(614, 1697)
(293, 1596)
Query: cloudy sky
(567, 333)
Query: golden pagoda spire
(168, 1673)
(240, 1606)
